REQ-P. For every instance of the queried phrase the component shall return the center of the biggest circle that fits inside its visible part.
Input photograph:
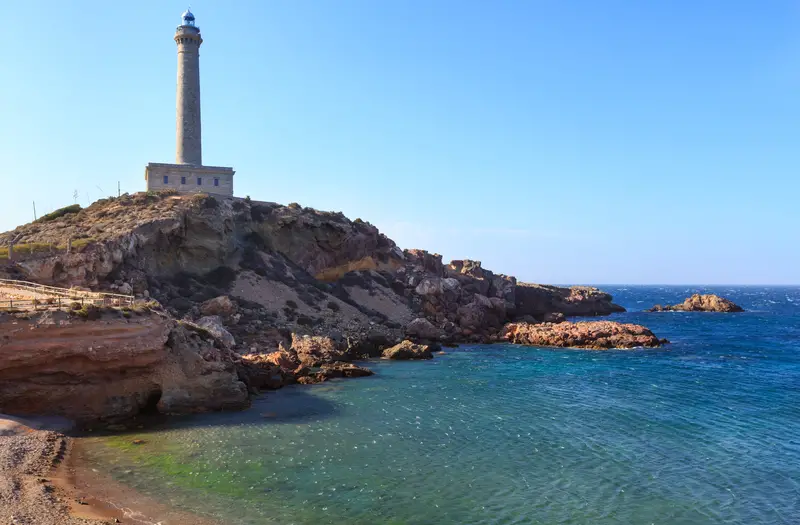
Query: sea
(703, 431)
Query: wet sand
(44, 480)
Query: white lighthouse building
(188, 173)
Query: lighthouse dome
(188, 18)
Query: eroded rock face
(408, 350)
(113, 368)
(701, 303)
(596, 335)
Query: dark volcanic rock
(701, 303)
(596, 335)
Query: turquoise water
(705, 431)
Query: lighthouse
(188, 174)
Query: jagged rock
(701, 303)
(221, 306)
(318, 350)
(537, 300)
(421, 328)
(261, 372)
(408, 350)
(125, 289)
(214, 325)
(482, 313)
(284, 359)
(597, 335)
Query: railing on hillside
(54, 297)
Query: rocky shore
(238, 296)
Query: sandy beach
(44, 481)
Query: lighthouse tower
(188, 173)
(189, 148)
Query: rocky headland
(237, 296)
(701, 303)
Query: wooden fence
(23, 295)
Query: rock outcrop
(701, 303)
(596, 335)
(284, 293)
(266, 271)
(537, 300)
(113, 368)
(408, 350)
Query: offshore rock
(408, 350)
(596, 335)
(701, 303)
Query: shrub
(66, 210)
(334, 306)
(291, 304)
(89, 312)
(80, 244)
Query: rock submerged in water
(701, 303)
(595, 335)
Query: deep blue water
(704, 431)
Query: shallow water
(704, 431)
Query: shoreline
(46, 480)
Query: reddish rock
(597, 335)
(317, 350)
(408, 350)
(701, 303)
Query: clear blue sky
(559, 141)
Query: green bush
(66, 210)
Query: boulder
(222, 306)
(408, 350)
(213, 324)
(317, 350)
(421, 328)
(701, 303)
(596, 335)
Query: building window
(166, 179)
(199, 181)
(216, 182)
(183, 180)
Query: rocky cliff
(286, 269)
(114, 367)
(266, 295)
